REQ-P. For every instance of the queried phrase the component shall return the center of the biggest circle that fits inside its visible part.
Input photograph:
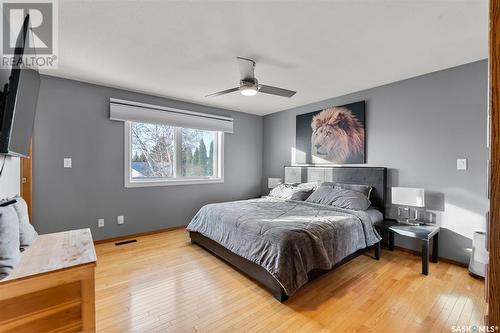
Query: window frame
(161, 181)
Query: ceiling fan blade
(275, 91)
(247, 67)
(223, 92)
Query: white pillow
(298, 192)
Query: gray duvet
(287, 238)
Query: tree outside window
(154, 152)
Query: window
(168, 146)
(159, 154)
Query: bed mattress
(287, 238)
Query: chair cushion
(9, 240)
(27, 233)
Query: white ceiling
(187, 49)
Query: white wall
(10, 178)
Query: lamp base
(409, 222)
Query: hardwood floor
(163, 283)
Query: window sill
(151, 183)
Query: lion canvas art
(334, 135)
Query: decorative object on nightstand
(273, 182)
(425, 233)
(408, 197)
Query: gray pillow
(9, 240)
(27, 233)
(301, 194)
(347, 199)
(365, 189)
(321, 195)
(303, 190)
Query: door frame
(26, 181)
(493, 276)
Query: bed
(283, 244)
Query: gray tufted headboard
(376, 177)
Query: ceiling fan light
(248, 91)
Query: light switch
(67, 162)
(461, 164)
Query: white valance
(122, 110)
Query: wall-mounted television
(18, 100)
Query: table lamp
(273, 182)
(408, 197)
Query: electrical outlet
(100, 223)
(120, 219)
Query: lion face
(337, 136)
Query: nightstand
(425, 233)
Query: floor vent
(126, 242)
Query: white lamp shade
(273, 182)
(408, 196)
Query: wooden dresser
(52, 288)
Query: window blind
(122, 110)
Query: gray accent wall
(73, 121)
(417, 128)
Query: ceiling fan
(249, 85)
